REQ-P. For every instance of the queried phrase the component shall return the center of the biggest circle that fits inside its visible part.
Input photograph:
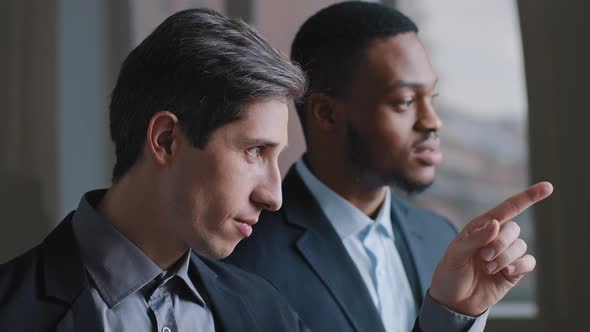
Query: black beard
(408, 186)
(355, 154)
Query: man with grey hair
(198, 117)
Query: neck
(130, 206)
(350, 186)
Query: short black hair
(203, 67)
(332, 41)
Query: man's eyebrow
(407, 84)
(259, 142)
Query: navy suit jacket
(298, 250)
(46, 289)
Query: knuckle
(503, 260)
(528, 265)
(501, 243)
(513, 228)
(522, 244)
(532, 260)
(513, 206)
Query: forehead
(262, 120)
(266, 114)
(399, 58)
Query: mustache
(429, 135)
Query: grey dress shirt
(129, 292)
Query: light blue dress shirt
(370, 244)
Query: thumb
(467, 244)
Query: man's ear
(162, 137)
(323, 111)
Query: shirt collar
(117, 267)
(182, 272)
(384, 216)
(346, 218)
(177, 272)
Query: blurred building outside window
(475, 47)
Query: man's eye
(255, 151)
(433, 97)
(409, 102)
(404, 103)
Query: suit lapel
(322, 248)
(63, 272)
(82, 316)
(229, 310)
(407, 224)
(65, 281)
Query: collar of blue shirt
(351, 220)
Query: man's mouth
(245, 226)
(428, 152)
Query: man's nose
(268, 193)
(428, 119)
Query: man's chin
(216, 252)
(411, 186)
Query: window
(147, 14)
(476, 50)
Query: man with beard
(347, 253)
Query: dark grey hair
(203, 67)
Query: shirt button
(166, 329)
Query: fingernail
(510, 269)
(491, 267)
(487, 254)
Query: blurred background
(513, 79)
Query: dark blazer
(299, 251)
(46, 289)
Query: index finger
(516, 204)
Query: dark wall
(556, 40)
